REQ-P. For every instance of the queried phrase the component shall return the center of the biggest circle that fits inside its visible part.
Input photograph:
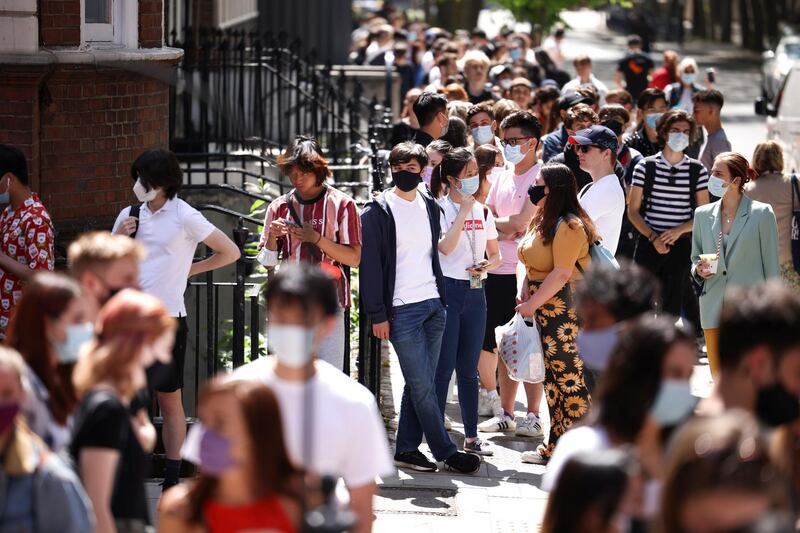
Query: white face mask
(482, 134)
(506, 84)
(678, 141)
(142, 194)
(291, 344)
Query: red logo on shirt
(473, 225)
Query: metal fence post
(240, 234)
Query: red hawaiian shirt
(27, 236)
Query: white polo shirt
(604, 202)
(170, 236)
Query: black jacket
(379, 255)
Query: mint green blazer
(750, 257)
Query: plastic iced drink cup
(712, 260)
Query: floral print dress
(567, 394)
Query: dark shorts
(169, 377)
(501, 301)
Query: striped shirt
(670, 202)
(333, 214)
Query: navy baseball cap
(571, 99)
(597, 136)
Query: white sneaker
(448, 423)
(530, 426)
(484, 403)
(497, 424)
(535, 457)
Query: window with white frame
(111, 21)
(233, 12)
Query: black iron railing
(237, 90)
(238, 101)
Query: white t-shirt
(604, 202)
(170, 237)
(414, 280)
(347, 429)
(480, 223)
(571, 443)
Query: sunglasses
(584, 148)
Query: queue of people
(512, 189)
(644, 172)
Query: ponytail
(436, 181)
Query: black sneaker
(415, 460)
(463, 463)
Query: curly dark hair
(672, 117)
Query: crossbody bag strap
(292, 211)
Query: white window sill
(91, 53)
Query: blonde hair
(129, 321)
(98, 249)
(476, 56)
(687, 62)
(768, 157)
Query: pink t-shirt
(507, 197)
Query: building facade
(84, 88)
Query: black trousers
(672, 269)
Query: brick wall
(19, 112)
(60, 22)
(99, 121)
(151, 15)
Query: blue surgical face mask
(482, 134)
(678, 141)
(689, 78)
(77, 335)
(469, 185)
(597, 346)
(515, 53)
(513, 154)
(673, 403)
(717, 187)
(651, 119)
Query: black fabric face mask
(405, 180)
(536, 193)
(775, 406)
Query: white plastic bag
(520, 348)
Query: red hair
(129, 321)
(738, 167)
(44, 299)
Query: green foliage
(546, 13)
(226, 345)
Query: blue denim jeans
(461, 348)
(416, 334)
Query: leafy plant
(226, 346)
